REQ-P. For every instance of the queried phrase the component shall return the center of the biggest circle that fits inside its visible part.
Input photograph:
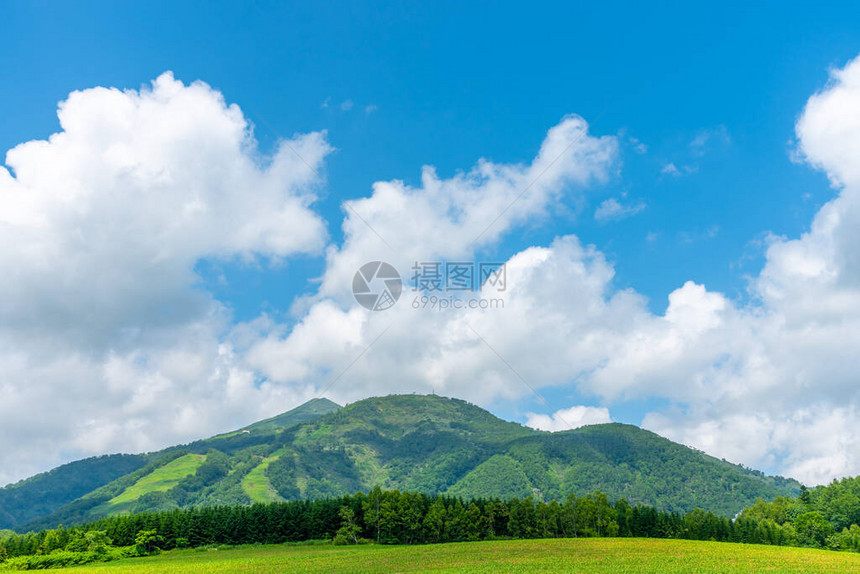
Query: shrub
(147, 541)
(59, 559)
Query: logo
(377, 286)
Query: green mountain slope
(408, 442)
(44, 493)
(420, 443)
(92, 488)
(626, 461)
(310, 410)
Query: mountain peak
(303, 413)
(416, 443)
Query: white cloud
(559, 312)
(638, 146)
(613, 210)
(102, 225)
(454, 217)
(704, 141)
(775, 383)
(106, 340)
(696, 235)
(443, 219)
(670, 169)
(346, 105)
(570, 418)
(771, 383)
(709, 137)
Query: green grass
(626, 556)
(161, 479)
(256, 484)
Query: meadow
(256, 483)
(161, 479)
(592, 555)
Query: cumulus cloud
(570, 418)
(770, 384)
(103, 325)
(444, 219)
(557, 312)
(103, 223)
(775, 382)
(107, 341)
(452, 218)
(829, 129)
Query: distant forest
(826, 517)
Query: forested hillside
(826, 516)
(625, 462)
(426, 444)
(44, 493)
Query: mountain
(306, 412)
(409, 442)
(42, 494)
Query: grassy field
(256, 484)
(626, 556)
(161, 479)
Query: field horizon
(586, 555)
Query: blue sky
(702, 100)
(452, 83)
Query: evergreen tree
(434, 521)
(372, 514)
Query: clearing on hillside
(256, 484)
(161, 479)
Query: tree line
(824, 517)
(394, 517)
